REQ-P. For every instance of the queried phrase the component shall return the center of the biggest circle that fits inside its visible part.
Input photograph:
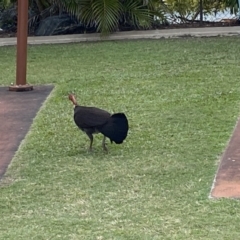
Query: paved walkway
(151, 34)
(17, 111)
(227, 180)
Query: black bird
(93, 120)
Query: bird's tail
(116, 129)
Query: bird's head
(72, 98)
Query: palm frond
(64, 5)
(85, 12)
(140, 14)
(106, 14)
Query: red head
(72, 98)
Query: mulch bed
(172, 26)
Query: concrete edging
(131, 35)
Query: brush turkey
(92, 120)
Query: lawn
(182, 100)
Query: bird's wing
(86, 117)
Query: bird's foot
(105, 148)
(90, 150)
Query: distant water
(220, 15)
(226, 14)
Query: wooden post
(22, 34)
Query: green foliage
(5, 3)
(102, 13)
(105, 14)
(136, 12)
(190, 9)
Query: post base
(20, 88)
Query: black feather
(116, 128)
(87, 117)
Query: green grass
(182, 99)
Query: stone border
(131, 35)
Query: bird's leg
(91, 141)
(104, 144)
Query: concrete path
(227, 180)
(150, 34)
(17, 111)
